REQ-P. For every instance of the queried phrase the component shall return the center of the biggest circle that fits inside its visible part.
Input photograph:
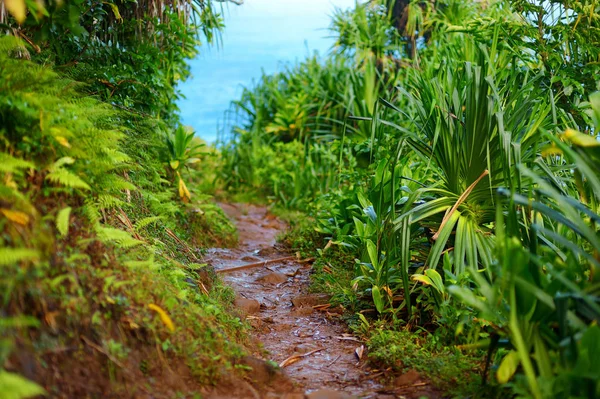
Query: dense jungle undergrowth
(446, 155)
(103, 292)
(441, 164)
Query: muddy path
(298, 330)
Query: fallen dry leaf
(293, 359)
(359, 352)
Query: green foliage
(402, 351)
(16, 387)
(132, 54)
(465, 208)
(90, 224)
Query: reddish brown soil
(274, 299)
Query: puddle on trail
(273, 298)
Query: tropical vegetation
(441, 163)
(451, 148)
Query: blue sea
(259, 35)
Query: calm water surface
(259, 35)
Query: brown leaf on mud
(359, 352)
(293, 359)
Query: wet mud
(298, 330)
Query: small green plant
(182, 151)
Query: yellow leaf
(17, 8)
(184, 193)
(115, 10)
(551, 150)
(164, 317)
(174, 164)
(508, 367)
(9, 182)
(63, 141)
(15, 216)
(581, 139)
(421, 278)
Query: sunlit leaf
(17, 8)
(62, 221)
(164, 317)
(15, 216)
(508, 367)
(14, 386)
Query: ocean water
(259, 35)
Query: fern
(121, 238)
(116, 156)
(62, 221)
(140, 224)
(91, 211)
(115, 183)
(67, 179)
(12, 256)
(62, 176)
(17, 199)
(107, 201)
(10, 164)
(148, 264)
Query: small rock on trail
(273, 278)
(246, 306)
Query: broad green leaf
(436, 280)
(378, 299)
(14, 386)
(507, 367)
(422, 279)
(442, 239)
(372, 250)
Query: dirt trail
(274, 299)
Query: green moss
(449, 369)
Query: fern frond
(148, 264)
(121, 238)
(117, 157)
(62, 221)
(62, 162)
(12, 256)
(115, 183)
(140, 224)
(67, 179)
(107, 201)
(91, 211)
(10, 164)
